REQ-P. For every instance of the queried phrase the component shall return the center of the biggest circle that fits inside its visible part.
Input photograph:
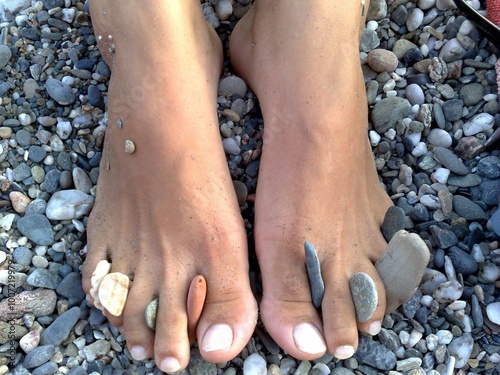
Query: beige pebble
(5, 132)
(29, 341)
(129, 146)
(102, 269)
(19, 201)
(113, 292)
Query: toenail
(344, 352)
(138, 352)
(308, 338)
(218, 337)
(374, 328)
(170, 364)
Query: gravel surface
(431, 89)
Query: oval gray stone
(394, 221)
(60, 92)
(388, 112)
(37, 228)
(5, 55)
(468, 209)
(364, 295)
(60, 328)
(39, 356)
(314, 273)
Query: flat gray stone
(5, 55)
(468, 209)
(60, 92)
(60, 328)
(465, 181)
(394, 221)
(401, 267)
(364, 295)
(71, 287)
(374, 354)
(37, 228)
(43, 278)
(450, 160)
(314, 273)
(39, 356)
(388, 112)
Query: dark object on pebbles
(394, 221)
(314, 273)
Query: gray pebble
(495, 222)
(21, 172)
(60, 92)
(489, 167)
(304, 368)
(490, 192)
(5, 55)
(389, 339)
(22, 256)
(342, 371)
(23, 137)
(414, 94)
(51, 182)
(465, 181)
(369, 40)
(411, 306)
(199, 366)
(48, 368)
(439, 115)
(364, 295)
(388, 112)
(468, 209)
(37, 153)
(232, 85)
(37, 228)
(394, 221)
(444, 238)
(38, 356)
(71, 287)
(59, 330)
(77, 370)
(472, 93)
(43, 278)
(37, 206)
(408, 364)
(65, 180)
(452, 109)
(241, 192)
(476, 312)
(314, 273)
(463, 262)
(82, 180)
(230, 146)
(374, 354)
(450, 161)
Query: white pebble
(415, 337)
(68, 205)
(466, 27)
(415, 18)
(68, 80)
(448, 292)
(489, 97)
(477, 254)
(457, 305)
(419, 149)
(404, 337)
(372, 25)
(390, 134)
(224, 9)
(461, 349)
(431, 341)
(426, 300)
(444, 336)
(321, 367)
(24, 119)
(441, 175)
(64, 129)
(415, 138)
(254, 364)
(488, 273)
(391, 93)
(374, 138)
(439, 137)
(479, 123)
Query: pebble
(19, 201)
(197, 365)
(388, 112)
(150, 313)
(493, 312)
(472, 93)
(479, 123)
(29, 341)
(43, 278)
(231, 86)
(230, 146)
(314, 273)
(60, 92)
(461, 349)
(38, 356)
(364, 295)
(468, 209)
(59, 330)
(495, 222)
(129, 146)
(415, 18)
(68, 205)
(224, 9)
(22, 256)
(415, 94)
(450, 161)
(381, 60)
(374, 354)
(241, 192)
(254, 364)
(452, 51)
(488, 272)
(39, 302)
(453, 109)
(408, 364)
(71, 287)
(448, 292)
(439, 138)
(48, 368)
(81, 180)
(489, 167)
(37, 228)
(96, 350)
(394, 221)
(462, 261)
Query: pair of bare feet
(168, 211)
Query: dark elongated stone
(314, 273)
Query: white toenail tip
(308, 338)
(374, 328)
(139, 353)
(344, 352)
(170, 364)
(218, 337)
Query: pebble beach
(433, 126)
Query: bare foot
(168, 211)
(317, 180)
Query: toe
(286, 308)
(228, 318)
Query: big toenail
(374, 328)
(308, 338)
(170, 364)
(217, 337)
(139, 353)
(344, 352)
(314, 273)
(364, 295)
